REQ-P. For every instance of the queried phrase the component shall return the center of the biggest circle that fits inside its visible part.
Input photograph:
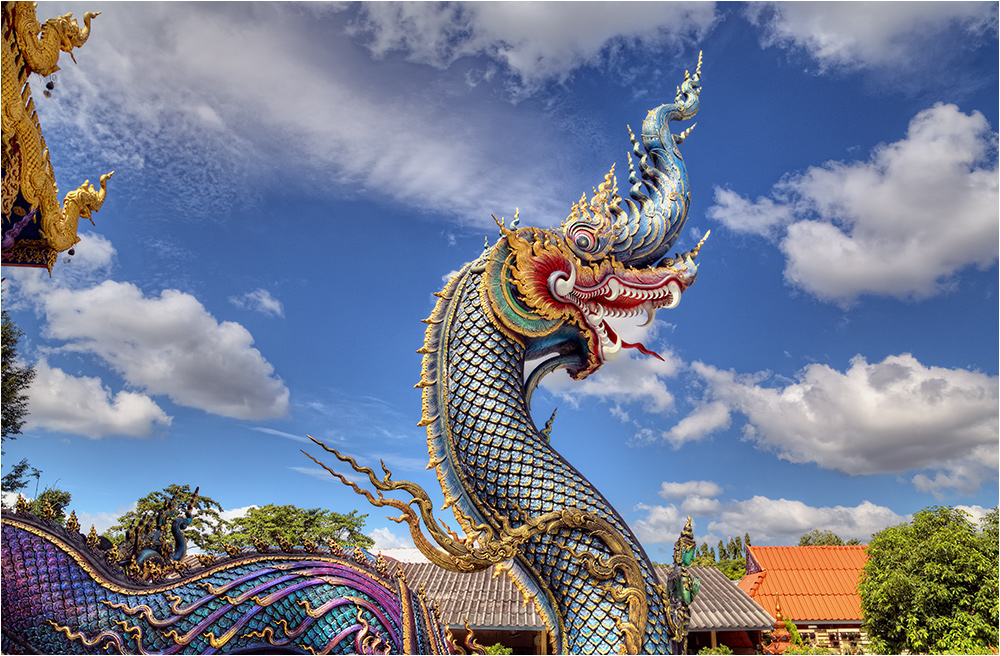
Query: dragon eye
(584, 241)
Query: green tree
(818, 538)
(16, 379)
(57, 499)
(206, 522)
(17, 478)
(733, 568)
(930, 585)
(269, 523)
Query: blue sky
(294, 181)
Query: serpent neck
(499, 466)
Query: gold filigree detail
(232, 550)
(488, 546)
(72, 523)
(30, 47)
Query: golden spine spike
(359, 556)
(48, 512)
(426, 421)
(72, 523)
(92, 538)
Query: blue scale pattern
(508, 465)
(260, 598)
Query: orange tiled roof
(814, 584)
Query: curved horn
(649, 223)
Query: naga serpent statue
(536, 294)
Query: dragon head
(556, 289)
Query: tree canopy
(17, 478)
(272, 523)
(823, 538)
(730, 559)
(930, 585)
(205, 524)
(16, 379)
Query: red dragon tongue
(642, 349)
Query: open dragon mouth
(623, 293)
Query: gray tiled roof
(720, 605)
(487, 602)
(490, 602)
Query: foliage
(807, 649)
(499, 649)
(930, 585)
(818, 538)
(205, 525)
(794, 632)
(16, 478)
(57, 499)
(269, 523)
(15, 380)
(720, 649)
(731, 559)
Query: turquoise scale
(509, 466)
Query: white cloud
(976, 513)
(536, 42)
(305, 112)
(233, 513)
(167, 345)
(904, 223)
(855, 35)
(689, 488)
(259, 300)
(289, 436)
(386, 539)
(661, 524)
(893, 416)
(705, 420)
(761, 217)
(101, 521)
(630, 378)
(784, 521)
(84, 406)
(767, 521)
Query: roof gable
(812, 583)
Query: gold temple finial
(30, 193)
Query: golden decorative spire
(35, 227)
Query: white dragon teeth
(614, 289)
